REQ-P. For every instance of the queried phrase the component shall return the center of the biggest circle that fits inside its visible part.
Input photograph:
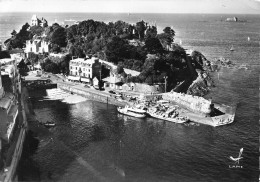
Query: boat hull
(129, 113)
(174, 120)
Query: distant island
(234, 19)
(136, 47)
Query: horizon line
(129, 12)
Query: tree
(141, 27)
(18, 40)
(14, 33)
(169, 30)
(55, 48)
(167, 37)
(36, 30)
(59, 37)
(176, 56)
(23, 69)
(56, 35)
(153, 46)
(33, 58)
(120, 68)
(116, 50)
(64, 64)
(151, 32)
(4, 54)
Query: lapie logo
(236, 160)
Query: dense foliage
(18, 40)
(134, 46)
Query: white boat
(49, 124)
(138, 113)
(232, 48)
(141, 111)
(243, 66)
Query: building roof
(34, 17)
(83, 60)
(6, 60)
(131, 72)
(112, 80)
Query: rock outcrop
(201, 85)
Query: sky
(133, 6)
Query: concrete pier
(89, 93)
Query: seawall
(91, 94)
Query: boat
(49, 124)
(248, 38)
(171, 115)
(232, 48)
(243, 66)
(134, 112)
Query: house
(95, 82)
(8, 112)
(113, 82)
(10, 76)
(37, 46)
(84, 69)
(135, 42)
(37, 22)
(17, 54)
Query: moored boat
(138, 113)
(49, 124)
(232, 48)
(171, 115)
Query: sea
(93, 142)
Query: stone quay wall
(90, 94)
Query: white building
(37, 46)
(37, 22)
(84, 69)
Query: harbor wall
(90, 94)
(194, 103)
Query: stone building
(37, 22)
